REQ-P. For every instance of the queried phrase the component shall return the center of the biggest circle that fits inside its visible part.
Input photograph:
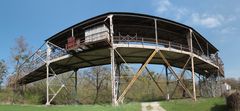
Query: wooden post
(156, 34)
(166, 72)
(75, 83)
(192, 67)
(113, 68)
(137, 75)
(118, 74)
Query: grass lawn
(124, 107)
(202, 104)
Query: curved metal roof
(102, 16)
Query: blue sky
(216, 20)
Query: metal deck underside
(130, 53)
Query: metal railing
(39, 58)
(163, 43)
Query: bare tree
(233, 82)
(19, 54)
(3, 71)
(239, 83)
(97, 77)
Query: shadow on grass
(219, 108)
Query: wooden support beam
(155, 81)
(75, 83)
(192, 65)
(174, 74)
(137, 75)
(47, 70)
(181, 76)
(197, 42)
(113, 77)
(156, 33)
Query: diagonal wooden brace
(124, 60)
(137, 75)
(155, 81)
(181, 76)
(174, 74)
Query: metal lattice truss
(39, 58)
(54, 52)
(45, 55)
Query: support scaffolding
(144, 65)
(52, 79)
(207, 84)
(168, 66)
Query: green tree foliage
(19, 54)
(3, 71)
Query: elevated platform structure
(122, 38)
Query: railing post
(119, 38)
(169, 44)
(156, 34)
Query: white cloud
(209, 21)
(163, 6)
(166, 8)
(180, 12)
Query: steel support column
(51, 93)
(47, 69)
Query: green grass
(124, 107)
(202, 104)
